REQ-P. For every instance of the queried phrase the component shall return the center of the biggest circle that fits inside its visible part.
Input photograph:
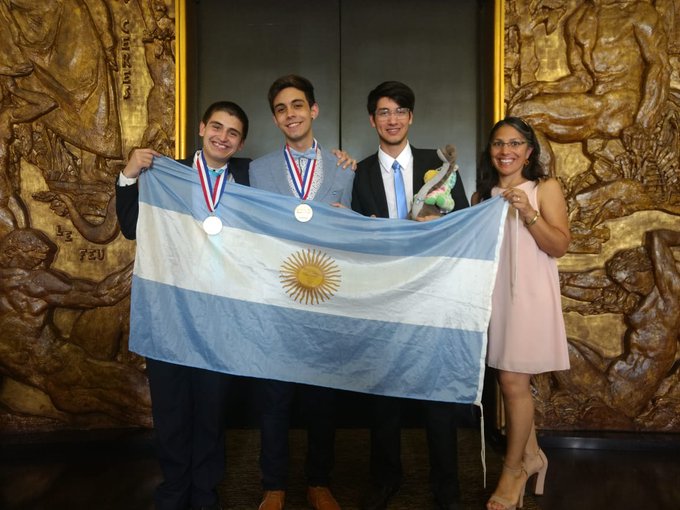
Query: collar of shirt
(216, 172)
(405, 159)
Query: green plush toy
(434, 198)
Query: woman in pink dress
(526, 332)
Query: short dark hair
(230, 108)
(291, 80)
(397, 91)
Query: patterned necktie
(399, 192)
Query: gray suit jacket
(269, 173)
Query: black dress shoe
(378, 496)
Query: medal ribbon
(211, 194)
(302, 182)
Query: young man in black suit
(392, 175)
(189, 404)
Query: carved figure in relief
(160, 60)
(522, 18)
(71, 47)
(613, 99)
(33, 350)
(649, 277)
(618, 77)
(17, 106)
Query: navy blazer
(127, 197)
(368, 194)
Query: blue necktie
(399, 192)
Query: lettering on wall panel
(82, 82)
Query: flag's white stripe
(466, 232)
(243, 265)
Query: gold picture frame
(180, 79)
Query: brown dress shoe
(320, 498)
(272, 500)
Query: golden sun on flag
(310, 276)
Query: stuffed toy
(434, 198)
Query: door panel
(244, 45)
(431, 45)
(345, 47)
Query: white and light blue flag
(372, 305)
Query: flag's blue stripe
(258, 340)
(459, 234)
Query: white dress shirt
(405, 159)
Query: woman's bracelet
(533, 220)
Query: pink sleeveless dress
(526, 332)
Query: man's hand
(344, 159)
(429, 217)
(140, 160)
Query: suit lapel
(278, 173)
(375, 181)
(326, 185)
(418, 170)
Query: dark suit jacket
(127, 197)
(368, 195)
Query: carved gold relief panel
(82, 82)
(598, 80)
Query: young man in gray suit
(392, 175)
(303, 169)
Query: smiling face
(293, 115)
(222, 138)
(509, 152)
(392, 128)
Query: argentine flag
(372, 305)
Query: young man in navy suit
(390, 109)
(304, 169)
(189, 404)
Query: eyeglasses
(385, 113)
(513, 144)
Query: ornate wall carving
(82, 82)
(599, 80)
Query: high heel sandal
(534, 467)
(518, 472)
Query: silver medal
(212, 225)
(303, 213)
